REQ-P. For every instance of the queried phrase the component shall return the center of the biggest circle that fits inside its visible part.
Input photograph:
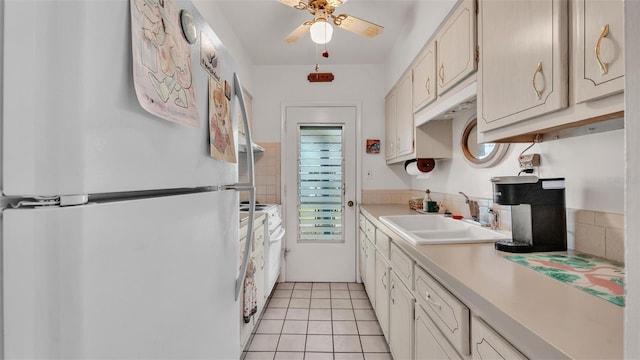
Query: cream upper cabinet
(523, 70)
(390, 126)
(404, 117)
(424, 78)
(598, 63)
(456, 46)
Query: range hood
(242, 145)
(461, 104)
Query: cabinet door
(370, 269)
(598, 47)
(430, 343)
(424, 78)
(362, 256)
(523, 60)
(456, 45)
(404, 117)
(382, 293)
(401, 323)
(390, 126)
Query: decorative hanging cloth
(250, 292)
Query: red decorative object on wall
(320, 77)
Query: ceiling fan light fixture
(321, 31)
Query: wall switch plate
(529, 161)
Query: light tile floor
(318, 321)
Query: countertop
(542, 317)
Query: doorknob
(350, 203)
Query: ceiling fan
(320, 29)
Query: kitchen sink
(421, 229)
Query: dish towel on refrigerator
(250, 292)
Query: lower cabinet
(370, 270)
(362, 256)
(382, 293)
(488, 344)
(401, 319)
(430, 343)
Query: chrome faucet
(474, 209)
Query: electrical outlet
(529, 161)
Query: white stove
(274, 234)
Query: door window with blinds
(320, 184)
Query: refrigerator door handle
(249, 186)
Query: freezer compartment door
(72, 123)
(143, 279)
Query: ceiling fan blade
(336, 3)
(298, 4)
(357, 26)
(299, 32)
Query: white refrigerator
(119, 231)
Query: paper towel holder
(425, 165)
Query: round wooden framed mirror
(480, 155)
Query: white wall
(275, 85)
(421, 23)
(592, 165)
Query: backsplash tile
(267, 174)
(590, 239)
(614, 247)
(386, 196)
(609, 220)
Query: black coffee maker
(538, 214)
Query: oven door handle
(278, 235)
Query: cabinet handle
(393, 286)
(382, 280)
(441, 73)
(533, 80)
(603, 65)
(428, 85)
(432, 302)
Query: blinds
(320, 183)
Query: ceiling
(262, 25)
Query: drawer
(447, 312)
(382, 243)
(402, 265)
(370, 230)
(488, 344)
(362, 220)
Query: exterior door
(320, 193)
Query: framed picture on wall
(373, 146)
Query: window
(320, 184)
